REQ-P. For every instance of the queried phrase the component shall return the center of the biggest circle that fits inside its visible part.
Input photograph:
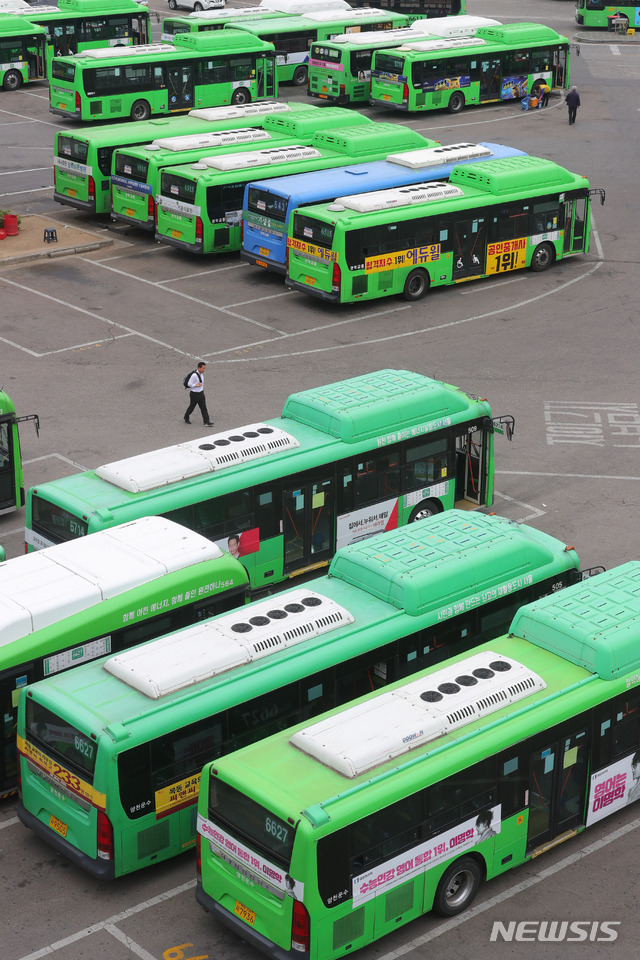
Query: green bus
(76, 25)
(82, 158)
(205, 20)
(597, 13)
(344, 461)
(135, 177)
(292, 37)
(329, 835)
(22, 51)
(12, 495)
(111, 753)
(504, 62)
(198, 70)
(199, 207)
(340, 68)
(490, 218)
(78, 601)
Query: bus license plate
(263, 251)
(130, 212)
(311, 281)
(175, 234)
(386, 96)
(324, 89)
(261, 263)
(58, 826)
(244, 913)
(71, 193)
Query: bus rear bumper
(148, 225)
(180, 244)
(387, 104)
(273, 266)
(313, 291)
(72, 114)
(87, 205)
(242, 930)
(100, 869)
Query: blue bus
(268, 204)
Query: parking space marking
(74, 346)
(129, 943)
(534, 511)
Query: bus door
(308, 524)
(266, 76)
(559, 66)
(469, 249)
(490, 71)
(557, 788)
(470, 467)
(179, 85)
(575, 219)
(8, 498)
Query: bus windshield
(250, 822)
(308, 228)
(62, 69)
(59, 523)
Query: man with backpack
(195, 383)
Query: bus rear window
(388, 63)
(131, 167)
(360, 61)
(330, 54)
(312, 231)
(174, 27)
(225, 201)
(251, 823)
(72, 148)
(56, 523)
(59, 739)
(267, 204)
(178, 187)
(60, 70)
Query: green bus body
(135, 177)
(155, 714)
(12, 495)
(489, 219)
(345, 461)
(597, 13)
(404, 802)
(78, 601)
(504, 62)
(198, 70)
(72, 26)
(199, 208)
(82, 158)
(292, 36)
(22, 52)
(207, 20)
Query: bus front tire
(299, 76)
(140, 110)
(543, 257)
(456, 102)
(241, 96)
(416, 285)
(458, 887)
(426, 508)
(12, 80)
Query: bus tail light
(105, 837)
(300, 928)
(405, 93)
(342, 89)
(199, 229)
(78, 102)
(151, 208)
(335, 279)
(91, 186)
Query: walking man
(573, 102)
(196, 395)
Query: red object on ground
(11, 224)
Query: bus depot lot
(98, 342)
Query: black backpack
(185, 382)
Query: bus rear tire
(241, 96)
(543, 257)
(458, 887)
(299, 76)
(426, 508)
(140, 110)
(12, 80)
(416, 285)
(456, 102)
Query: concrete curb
(54, 254)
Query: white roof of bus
(217, 138)
(435, 156)
(447, 43)
(241, 110)
(301, 7)
(438, 28)
(105, 53)
(204, 650)
(364, 736)
(12, 5)
(158, 468)
(396, 197)
(41, 588)
(326, 16)
(243, 161)
(225, 14)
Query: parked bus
(22, 51)
(420, 8)
(82, 158)
(487, 220)
(268, 204)
(78, 601)
(75, 25)
(329, 835)
(112, 752)
(135, 177)
(340, 68)
(198, 70)
(199, 207)
(12, 495)
(343, 462)
(213, 20)
(293, 36)
(505, 62)
(597, 13)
